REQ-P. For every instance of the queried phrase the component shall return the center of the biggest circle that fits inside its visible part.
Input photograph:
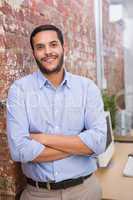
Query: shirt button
(56, 128)
(56, 112)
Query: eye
(54, 44)
(39, 47)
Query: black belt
(59, 185)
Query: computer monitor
(105, 157)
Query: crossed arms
(59, 146)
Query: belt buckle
(48, 186)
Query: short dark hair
(46, 27)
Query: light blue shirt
(73, 108)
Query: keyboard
(128, 168)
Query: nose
(47, 50)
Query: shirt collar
(42, 80)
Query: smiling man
(56, 125)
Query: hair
(46, 27)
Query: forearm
(49, 154)
(68, 144)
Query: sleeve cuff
(94, 141)
(32, 151)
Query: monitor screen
(105, 157)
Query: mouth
(49, 59)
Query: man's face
(48, 52)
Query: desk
(114, 184)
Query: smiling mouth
(49, 59)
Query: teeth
(49, 59)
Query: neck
(56, 78)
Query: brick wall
(17, 19)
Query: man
(56, 125)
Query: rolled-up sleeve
(22, 148)
(95, 133)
